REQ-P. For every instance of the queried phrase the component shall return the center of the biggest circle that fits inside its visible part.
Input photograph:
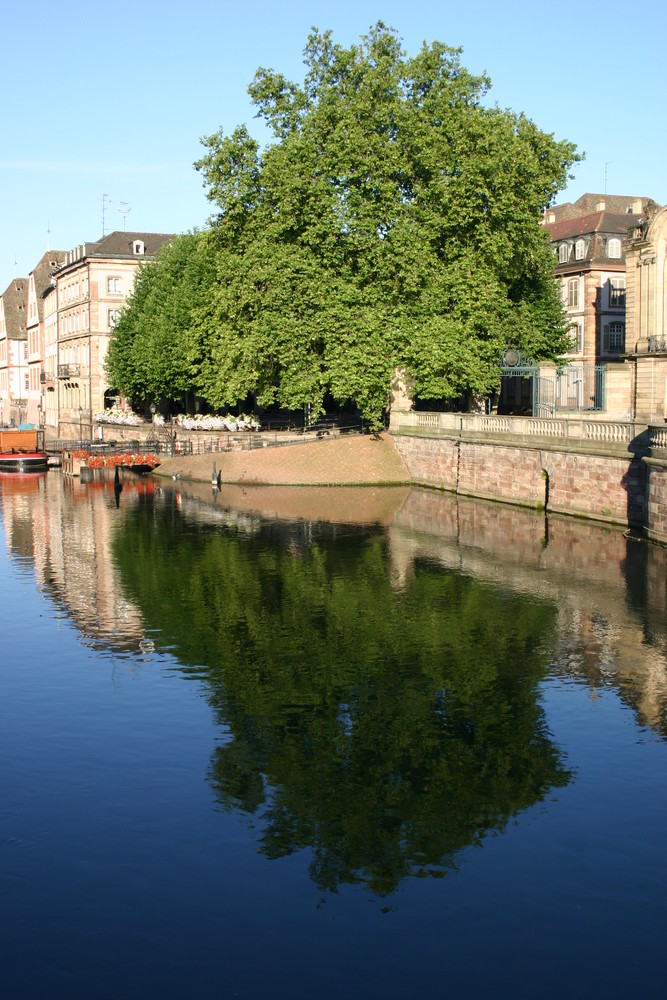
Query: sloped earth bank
(355, 460)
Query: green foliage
(394, 221)
(156, 349)
(384, 730)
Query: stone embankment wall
(656, 499)
(601, 470)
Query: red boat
(22, 451)
(23, 461)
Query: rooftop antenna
(124, 210)
(105, 200)
(605, 173)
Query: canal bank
(354, 460)
(613, 472)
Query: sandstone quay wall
(656, 499)
(609, 488)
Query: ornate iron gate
(570, 388)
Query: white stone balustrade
(616, 433)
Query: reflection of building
(587, 237)
(91, 286)
(588, 571)
(66, 529)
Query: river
(374, 743)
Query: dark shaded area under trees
(393, 221)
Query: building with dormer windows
(90, 287)
(587, 237)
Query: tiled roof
(119, 244)
(589, 203)
(15, 299)
(613, 223)
(617, 203)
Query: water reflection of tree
(384, 732)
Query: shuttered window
(613, 338)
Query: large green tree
(393, 220)
(156, 351)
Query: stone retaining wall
(656, 499)
(606, 471)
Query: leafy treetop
(393, 221)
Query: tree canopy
(394, 220)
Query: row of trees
(393, 221)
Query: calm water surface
(397, 746)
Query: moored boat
(22, 451)
(23, 461)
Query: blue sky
(112, 99)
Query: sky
(102, 106)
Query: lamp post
(80, 416)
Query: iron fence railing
(204, 442)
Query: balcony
(46, 377)
(68, 371)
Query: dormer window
(138, 248)
(579, 250)
(614, 248)
(563, 253)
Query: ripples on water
(400, 745)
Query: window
(138, 247)
(613, 339)
(112, 317)
(617, 293)
(614, 248)
(579, 250)
(563, 253)
(113, 286)
(573, 293)
(576, 339)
